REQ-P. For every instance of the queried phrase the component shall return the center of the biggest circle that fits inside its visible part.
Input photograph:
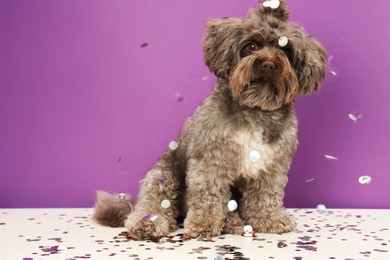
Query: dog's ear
(311, 73)
(276, 8)
(219, 43)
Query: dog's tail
(112, 210)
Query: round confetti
(272, 3)
(321, 208)
(365, 179)
(173, 145)
(248, 228)
(283, 41)
(254, 156)
(232, 205)
(121, 196)
(165, 204)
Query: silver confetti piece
(365, 179)
(254, 156)
(165, 204)
(121, 196)
(173, 145)
(283, 41)
(232, 205)
(321, 208)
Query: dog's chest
(254, 155)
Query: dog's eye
(248, 49)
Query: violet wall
(92, 92)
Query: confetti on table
(361, 233)
(321, 208)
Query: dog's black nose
(268, 66)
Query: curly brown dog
(239, 143)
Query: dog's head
(265, 60)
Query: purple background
(84, 107)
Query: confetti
(205, 78)
(173, 145)
(310, 180)
(330, 157)
(354, 118)
(165, 204)
(232, 205)
(144, 45)
(248, 231)
(272, 4)
(254, 156)
(153, 218)
(179, 96)
(121, 196)
(365, 179)
(333, 73)
(146, 217)
(321, 208)
(283, 41)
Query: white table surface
(71, 234)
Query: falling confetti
(354, 118)
(173, 145)
(153, 218)
(272, 4)
(309, 180)
(283, 41)
(232, 205)
(205, 78)
(333, 73)
(179, 96)
(330, 157)
(165, 204)
(365, 179)
(144, 45)
(321, 208)
(121, 196)
(254, 155)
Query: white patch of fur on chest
(255, 153)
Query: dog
(238, 145)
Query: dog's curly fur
(250, 109)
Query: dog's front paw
(203, 226)
(276, 222)
(147, 227)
